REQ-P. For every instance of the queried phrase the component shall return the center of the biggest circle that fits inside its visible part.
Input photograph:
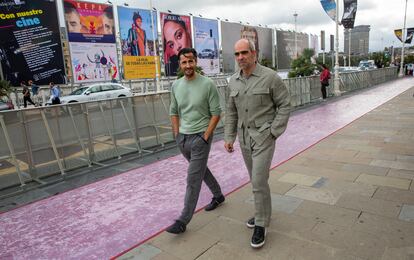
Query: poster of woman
(176, 33)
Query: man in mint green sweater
(195, 112)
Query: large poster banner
(138, 31)
(350, 9)
(330, 8)
(206, 43)
(89, 22)
(232, 32)
(91, 34)
(30, 46)
(176, 34)
(314, 44)
(93, 61)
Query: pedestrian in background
(26, 95)
(34, 87)
(324, 78)
(54, 93)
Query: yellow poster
(140, 67)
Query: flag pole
(401, 74)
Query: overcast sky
(382, 15)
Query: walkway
(354, 181)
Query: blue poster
(207, 44)
(330, 8)
(137, 33)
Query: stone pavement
(350, 196)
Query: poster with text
(138, 32)
(176, 34)
(89, 22)
(30, 45)
(93, 62)
(206, 43)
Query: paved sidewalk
(350, 196)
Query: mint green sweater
(194, 102)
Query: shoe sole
(258, 245)
(249, 226)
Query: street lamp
(337, 92)
(295, 15)
(403, 43)
(154, 45)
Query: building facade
(359, 40)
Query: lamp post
(349, 47)
(295, 15)
(337, 92)
(154, 39)
(401, 74)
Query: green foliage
(198, 69)
(302, 66)
(267, 63)
(380, 59)
(5, 88)
(409, 59)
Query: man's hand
(229, 147)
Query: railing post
(11, 150)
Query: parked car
(367, 65)
(206, 53)
(95, 92)
(6, 104)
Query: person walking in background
(34, 88)
(195, 112)
(54, 94)
(257, 110)
(35, 91)
(324, 78)
(26, 94)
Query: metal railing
(43, 141)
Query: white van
(367, 65)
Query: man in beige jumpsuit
(257, 110)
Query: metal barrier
(44, 141)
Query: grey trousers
(258, 159)
(196, 150)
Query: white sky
(382, 15)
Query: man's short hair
(185, 51)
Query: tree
(303, 66)
(5, 88)
(267, 63)
(380, 59)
